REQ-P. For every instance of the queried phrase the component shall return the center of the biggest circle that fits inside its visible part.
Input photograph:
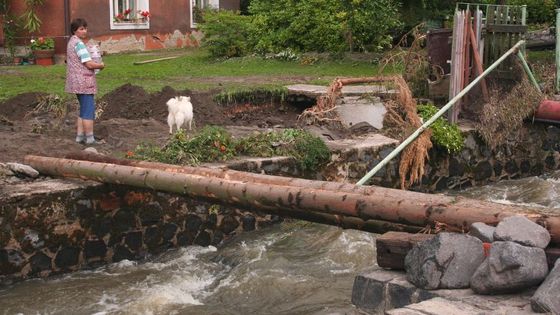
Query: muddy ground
(130, 116)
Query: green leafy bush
(226, 33)
(323, 25)
(444, 134)
(538, 11)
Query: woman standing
(80, 80)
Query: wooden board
(392, 248)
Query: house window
(129, 14)
(198, 5)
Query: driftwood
(366, 203)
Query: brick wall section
(93, 224)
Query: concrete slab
(354, 110)
(360, 143)
(388, 292)
(27, 189)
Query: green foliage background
(273, 26)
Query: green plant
(208, 145)
(309, 150)
(253, 96)
(32, 22)
(215, 144)
(330, 26)
(42, 43)
(444, 134)
(226, 33)
(11, 28)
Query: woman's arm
(92, 65)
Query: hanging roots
(324, 110)
(414, 156)
(401, 115)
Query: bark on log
(374, 226)
(367, 203)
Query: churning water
(294, 268)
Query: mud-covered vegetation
(212, 144)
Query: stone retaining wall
(535, 151)
(57, 226)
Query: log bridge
(369, 208)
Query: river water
(292, 268)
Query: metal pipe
(528, 70)
(444, 109)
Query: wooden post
(478, 62)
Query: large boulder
(547, 297)
(510, 268)
(521, 230)
(446, 261)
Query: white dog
(180, 111)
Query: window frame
(143, 5)
(204, 4)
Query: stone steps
(388, 292)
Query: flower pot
(44, 57)
(17, 61)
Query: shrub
(10, 28)
(323, 25)
(538, 11)
(226, 33)
(444, 134)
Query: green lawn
(193, 70)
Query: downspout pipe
(442, 111)
(66, 20)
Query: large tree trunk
(366, 203)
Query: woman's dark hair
(76, 24)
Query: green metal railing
(515, 49)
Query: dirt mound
(130, 116)
(133, 102)
(16, 107)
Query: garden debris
(502, 117)
(401, 117)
